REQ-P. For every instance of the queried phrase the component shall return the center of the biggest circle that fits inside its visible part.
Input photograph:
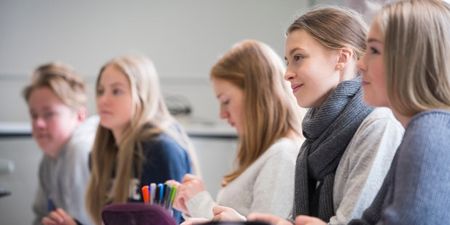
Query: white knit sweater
(267, 186)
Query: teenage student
(137, 142)
(256, 101)
(349, 146)
(56, 100)
(406, 68)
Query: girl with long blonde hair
(137, 142)
(256, 101)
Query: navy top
(417, 187)
(164, 160)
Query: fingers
(188, 177)
(180, 204)
(219, 209)
(48, 221)
(173, 183)
(308, 220)
(58, 217)
(268, 218)
(227, 213)
(53, 218)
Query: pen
(173, 193)
(152, 193)
(145, 194)
(166, 196)
(161, 193)
(50, 205)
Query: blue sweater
(417, 187)
(164, 160)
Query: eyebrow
(373, 40)
(116, 84)
(292, 51)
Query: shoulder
(379, 135)
(379, 123)
(163, 145)
(428, 130)
(83, 137)
(283, 149)
(436, 119)
(380, 117)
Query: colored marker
(173, 193)
(166, 196)
(152, 193)
(50, 205)
(145, 194)
(161, 193)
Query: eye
(298, 57)
(33, 115)
(100, 91)
(226, 102)
(117, 91)
(374, 50)
(48, 115)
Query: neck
(349, 71)
(117, 133)
(404, 120)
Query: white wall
(184, 38)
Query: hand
(58, 217)
(190, 186)
(308, 220)
(222, 213)
(193, 221)
(268, 218)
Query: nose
(223, 113)
(289, 74)
(39, 122)
(361, 64)
(101, 100)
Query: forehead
(375, 32)
(43, 97)
(224, 87)
(113, 75)
(303, 40)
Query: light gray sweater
(64, 179)
(364, 164)
(267, 186)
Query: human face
(311, 68)
(231, 99)
(114, 101)
(52, 121)
(371, 66)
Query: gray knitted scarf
(328, 130)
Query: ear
(345, 55)
(81, 114)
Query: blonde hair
(270, 111)
(416, 54)
(150, 118)
(62, 80)
(334, 28)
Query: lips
(295, 87)
(105, 113)
(365, 82)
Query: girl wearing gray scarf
(349, 145)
